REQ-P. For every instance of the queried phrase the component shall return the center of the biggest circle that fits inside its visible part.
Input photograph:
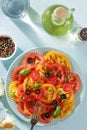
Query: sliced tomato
(35, 75)
(53, 73)
(52, 80)
(46, 117)
(39, 93)
(15, 73)
(76, 87)
(32, 58)
(67, 87)
(73, 77)
(23, 97)
(74, 81)
(57, 57)
(67, 108)
(21, 109)
(13, 90)
(66, 70)
(31, 103)
(50, 93)
(21, 79)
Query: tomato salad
(48, 79)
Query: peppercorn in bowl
(7, 47)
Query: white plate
(75, 68)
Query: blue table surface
(28, 33)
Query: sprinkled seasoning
(7, 46)
(83, 34)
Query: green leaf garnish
(50, 89)
(12, 94)
(57, 111)
(37, 85)
(24, 72)
(66, 79)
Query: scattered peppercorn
(7, 46)
(83, 34)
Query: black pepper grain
(7, 46)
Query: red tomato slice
(76, 86)
(46, 117)
(39, 93)
(67, 87)
(74, 79)
(60, 74)
(32, 58)
(23, 97)
(21, 79)
(66, 70)
(31, 103)
(15, 73)
(52, 80)
(35, 75)
(56, 74)
(20, 107)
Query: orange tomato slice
(67, 109)
(57, 57)
(50, 93)
(13, 90)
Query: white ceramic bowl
(8, 57)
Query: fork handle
(31, 127)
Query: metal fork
(34, 119)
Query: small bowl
(7, 47)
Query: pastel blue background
(29, 34)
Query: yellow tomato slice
(26, 110)
(28, 83)
(69, 95)
(57, 57)
(67, 109)
(50, 93)
(13, 90)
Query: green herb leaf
(57, 111)
(24, 72)
(50, 89)
(66, 79)
(63, 100)
(37, 85)
(12, 94)
(59, 91)
(32, 104)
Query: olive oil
(57, 20)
